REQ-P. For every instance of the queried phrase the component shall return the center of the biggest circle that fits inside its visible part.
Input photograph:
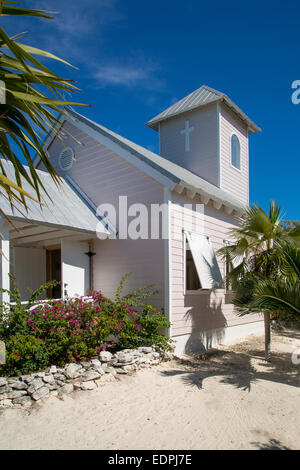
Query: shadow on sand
(240, 366)
(272, 444)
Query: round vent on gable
(66, 159)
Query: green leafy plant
(24, 353)
(256, 251)
(279, 296)
(34, 98)
(73, 329)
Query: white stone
(40, 393)
(96, 362)
(6, 403)
(86, 364)
(168, 356)
(146, 349)
(124, 358)
(49, 379)
(3, 381)
(90, 375)
(107, 378)
(35, 385)
(88, 385)
(19, 385)
(25, 401)
(110, 370)
(72, 371)
(65, 389)
(60, 377)
(54, 386)
(16, 394)
(4, 389)
(105, 356)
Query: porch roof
(65, 209)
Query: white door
(75, 268)
(29, 269)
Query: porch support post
(4, 260)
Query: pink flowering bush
(69, 330)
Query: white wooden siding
(204, 311)
(104, 176)
(234, 181)
(202, 159)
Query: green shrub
(24, 354)
(59, 331)
(146, 329)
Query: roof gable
(165, 172)
(65, 207)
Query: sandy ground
(233, 400)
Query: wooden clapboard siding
(104, 176)
(233, 180)
(202, 159)
(204, 311)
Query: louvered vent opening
(66, 159)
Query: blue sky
(136, 58)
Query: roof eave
(252, 127)
(237, 207)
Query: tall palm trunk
(267, 321)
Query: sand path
(232, 401)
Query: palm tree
(34, 97)
(256, 254)
(279, 296)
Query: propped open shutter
(205, 260)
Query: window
(192, 278)
(235, 152)
(201, 266)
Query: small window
(191, 275)
(235, 152)
(201, 266)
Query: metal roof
(201, 97)
(65, 209)
(175, 173)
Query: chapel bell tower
(207, 134)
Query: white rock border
(23, 391)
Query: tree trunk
(267, 321)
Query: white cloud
(143, 76)
(121, 75)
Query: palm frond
(34, 97)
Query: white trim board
(168, 262)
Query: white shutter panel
(205, 260)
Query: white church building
(199, 180)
